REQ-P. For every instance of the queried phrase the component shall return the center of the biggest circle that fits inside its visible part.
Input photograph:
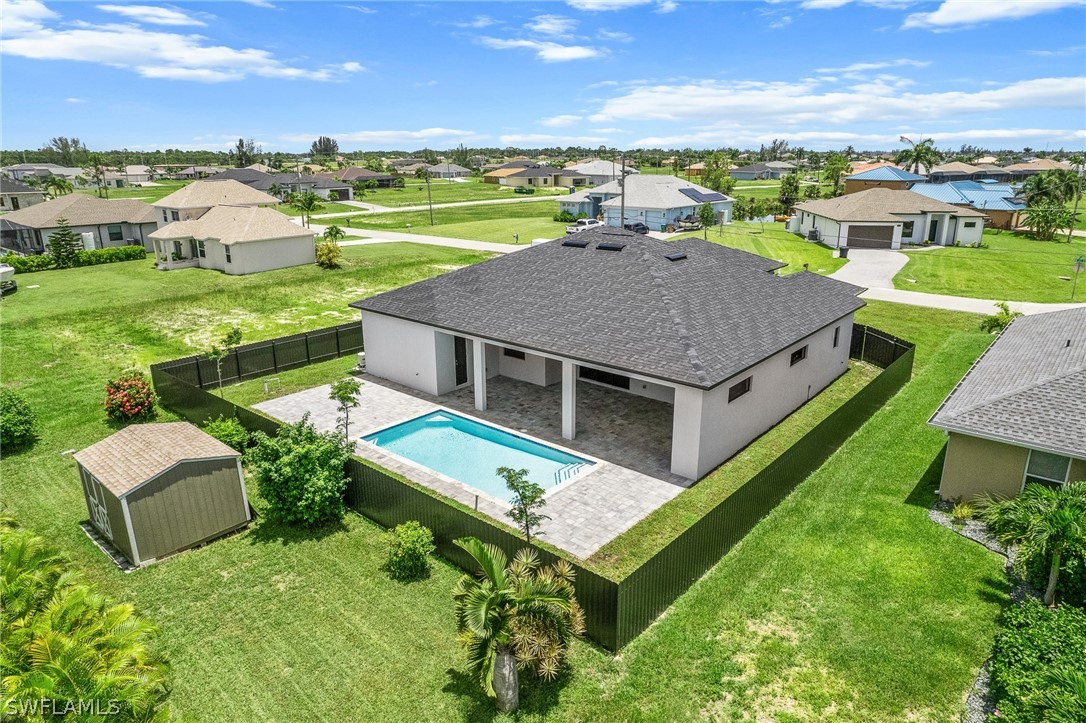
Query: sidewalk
(374, 208)
(384, 237)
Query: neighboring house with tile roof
(235, 240)
(883, 176)
(886, 218)
(712, 330)
(1019, 415)
(998, 201)
(103, 223)
(155, 489)
(655, 200)
(16, 194)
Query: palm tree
(919, 155)
(514, 614)
(276, 190)
(1044, 522)
(64, 641)
(306, 203)
(334, 234)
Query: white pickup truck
(584, 223)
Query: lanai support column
(569, 400)
(478, 348)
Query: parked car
(637, 228)
(583, 224)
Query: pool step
(570, 470)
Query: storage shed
(156, 489)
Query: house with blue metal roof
(998, 201)
(882, 177)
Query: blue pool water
(470, 452)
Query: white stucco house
(102, 223)
(732, 347)
(886, 218)
(16, 194)
(600, 171)
(195, 199)
(651, 199)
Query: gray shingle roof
(10, 185)
(1029, 388)
(696, 321)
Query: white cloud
(150, 53)
(960, 13)
(556, 25)
(480, 21)
(74, 100)
(1058, 52)
(744, 136)
(352, 67)
(152, 14)
(543, 139)
(616, 35)
(394, 137)
(782, 22)
(833, 4)
(548, 52)
(662, 6)
(359, 9)
(877, 65)
(809, 101)
(259, 3)
(560, 121)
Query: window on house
(970, 224)
(836, 336)
(175, 215)
(798, 355)
(515, 354)
(609, 378)
(907, 229)
(228, 259)
(165, 216)
(115, 233)
(3, 201)
(739, 389)
(200, 250)
(1047, 469)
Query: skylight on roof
(578, 243)
(610, 245)
(675, 256)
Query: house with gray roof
(1019, 415)
(537, 176)
(287, 183)
(446, 170)
(885, 218)
(16, 194)
(101, 222)
(762, 171)
(600, 171)
(656, 200)
(711, 331)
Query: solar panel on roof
(578, 243)
(699, 197)
(610, 246)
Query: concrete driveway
(871, 268)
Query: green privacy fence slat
(615, 612)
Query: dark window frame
(908, 228)
(175, 215)
(226, 248)
(514, 353)
(117, 235)
(969, 224)
(798, 355)
(609, 379)
(739, 389)
(836, 336)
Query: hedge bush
(229, 431)
(523, 189)
(328, 255)
(91, 257)
(1035, 643)
(409, 548)
(18, 425)
(130, 397)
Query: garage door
(870, 237)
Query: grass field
(1014, 267)
(543, 210)
(774, 243)
(444, 191)
(150, 194)
(846, 602)
(329, 207)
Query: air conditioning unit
(814, 235)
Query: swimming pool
(471, 452)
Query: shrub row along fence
(616, 612)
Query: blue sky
(625, 73)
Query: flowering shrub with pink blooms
(130, 397)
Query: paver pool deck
(628, 437)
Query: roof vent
(610, 246)
(675, 256)
(577, 243)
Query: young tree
(334, 234)
(345, 394)
(300, 473)
(1045, 523)
(361, 187)
(759, 210)
(527, 500)
(707, 217)
(521, 613)
(789, 192)
(96, 171)
(306, 203)
(219, 351)
(1000, 320)
(324, 146)
(717, 173)
(833, 168)
(64, 244)
(244, 153)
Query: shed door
(870, 237)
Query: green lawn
(845, 602)
(775, 243)
(150, 194)
(329, 207)
(1014, 267)
(419, 221)
(444, 191)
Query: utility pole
(1080, 264)
(1074, 212)
(429, 199)
(622, 189)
